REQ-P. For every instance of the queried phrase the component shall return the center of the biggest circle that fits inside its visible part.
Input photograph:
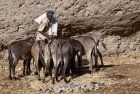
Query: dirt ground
(121, 75)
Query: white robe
(53, 28)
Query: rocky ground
(119, 76)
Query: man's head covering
(50, 13)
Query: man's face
(49, 17)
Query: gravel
(70, 87)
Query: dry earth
(120, 75)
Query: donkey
(20, 50)
(37, 52)
(79, 51)
(96, 39)
(62, 51)
(51, 49)
(62, 55)
(89, 46)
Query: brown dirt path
(120, 76)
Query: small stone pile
(70, 87)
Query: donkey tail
(61, 45)
(9, 54)
(103, 44)
(10, 57)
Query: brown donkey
(20, 50)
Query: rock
(96, 87)
(111, 18)
(37, 85)
(0, 87)
(59, 88)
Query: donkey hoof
(10, 78)
(57, 80)
(39, 79)
(28, 73)
(35, 73)
(53, 82)
(92, 71)
(23, 73)
(66, 81)
(102, 65)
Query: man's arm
(43, 24)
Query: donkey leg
(72, 64)
(38, 71)
(66, 61)
(28, 69)
(89, 56)
(10, 68)
(14, 67)
(49, 68)
(10, 59)
(100, 55)
(54, 74)
(96, 60)
(97, 68)
(79, 63)
(91, 60)
(44, 71)
(29, 66)
(24, 63)
(35, 66)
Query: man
(48, 26)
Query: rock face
(117, 22)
